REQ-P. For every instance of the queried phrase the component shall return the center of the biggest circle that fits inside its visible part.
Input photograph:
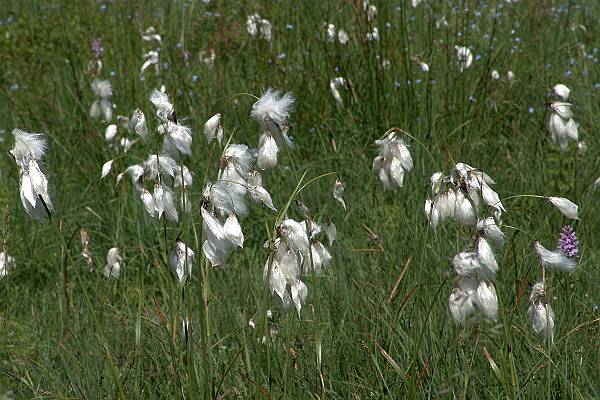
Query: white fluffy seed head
(160, 165)
(565, 206)
(213, 129)
(28, 146)
(487, 301)
(181, 260)
(273, 108)
(555, 259)
(102, 88)
(561, 91)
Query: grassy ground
(66, 333)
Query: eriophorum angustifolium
(299, 200)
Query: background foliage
(76, 338)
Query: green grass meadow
(66, 333)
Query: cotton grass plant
(324, 284)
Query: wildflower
(164, 108)
(540, 313)
(392, 161)
(565, 206)
(464, 56)
(85, 244)
(342, 37)
(126, 144)
(495, 75)
(302, 209)
(330, 31)
(462, 299)
(164, 202)
(137, 123)
(106, 168)
(467, 207)
(466, 263)
(181, 260)
(373, 36)
(252, 24)
(487, 301)
(220, 238)
(111, 132)
(338, 190)
(147, 201)
(135, 172)
(28, 146)
(424, 67)
(490, 230)
(177, 138)
(265, 29)
(461, 200)
(510, 77)
(485, 256)
(295, 235)
(561, 91)
(255, 25)
(183, 177)
(272, 110)
(29, 149)
(113, 263)
(330, 231)
(213, 129)
(371, 12)
(260, 195)
(283, 278)
(441, 22)
(555, 259)
(334, 85)
(226, 196)
(102, 106)
(561, 124)
(151, 35)
(151, 58)
(96, 48)
(319, 257)
(568, 243)
(6, 264)
(159, 165)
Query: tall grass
(89, 337)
